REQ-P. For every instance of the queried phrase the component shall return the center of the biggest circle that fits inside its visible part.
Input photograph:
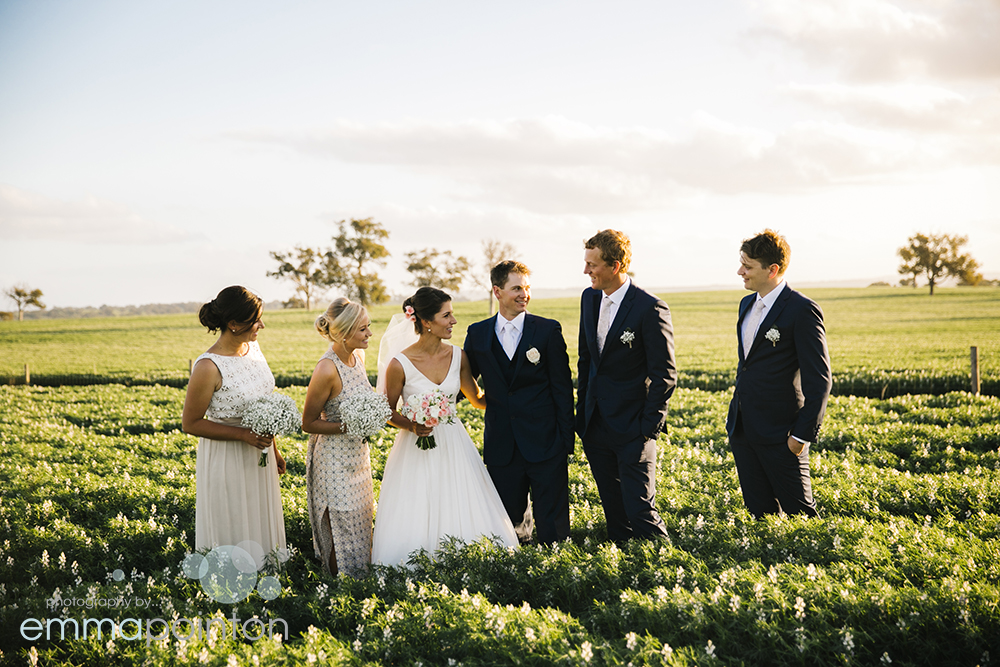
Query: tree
(434, 268)
(937, 256)
(24, 296)
(494, 252)
(357, 248)
(308, 269)
(967, 272)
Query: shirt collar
(619, 294)
(772, 296)
(518, 322)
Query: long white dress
(428, 495)
(237, 502)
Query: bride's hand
(420, 430)
(259, 441)
(279, 461)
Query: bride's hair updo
(341, 320)
(425, 304)
(233, 304)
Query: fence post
(974, 357)
(27, 374)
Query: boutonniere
(627, 337)
(533, 356)
(773, 336)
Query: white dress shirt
(768, 301)
(514, 329)
(616, 298)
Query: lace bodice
(417, 383)
(353, 379)
(243, 380)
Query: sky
(156, 152)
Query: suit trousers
(772, 479)
(626, 480)
(548, 483)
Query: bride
(429, 495)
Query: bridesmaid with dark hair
(237, 502)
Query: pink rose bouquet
(430, 409)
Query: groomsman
(783, 381)
(626, 376)
(529, 406)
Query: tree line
(358, 252)
(352, 263)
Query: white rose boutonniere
(773, 336)
(627, 337)
(533, 356)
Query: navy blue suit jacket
(782, 386)
(536, 410)
(630, 383)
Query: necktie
(753, 323)
(507, 340)
(603, 323)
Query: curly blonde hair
(341, 320)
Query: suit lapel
(745, 305)
(619, 321)
(489, 333)
(595, 305)
(772, 315)
(524, 344)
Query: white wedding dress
(429, 495)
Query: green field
(901, 568)
(872, 332)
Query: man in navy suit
(626, 376)
(529, 406)
(783, 381)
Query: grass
(902, 567)
(885, 329)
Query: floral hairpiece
(409, 313)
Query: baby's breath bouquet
(271, 415)
(364, 414)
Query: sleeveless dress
(236, 501)
(429, 495)
(339, 483)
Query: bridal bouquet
(429, 409)
(364, 414)
(271, 415)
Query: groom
(529, 406)
(626, 376)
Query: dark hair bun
(233, 304)
(426, 303)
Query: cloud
(878, 40)
(30, 216)
(556, 166)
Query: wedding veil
(397, 337)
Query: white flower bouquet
(271, 415)
(364, 414)
(430, 409)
